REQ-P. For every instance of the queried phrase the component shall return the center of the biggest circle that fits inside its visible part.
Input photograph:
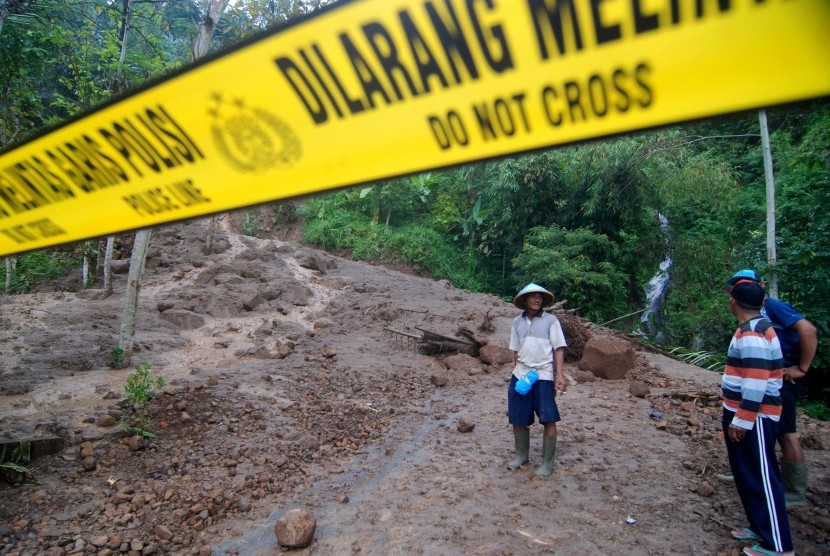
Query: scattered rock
(465, 425)
(494, 354)
(607, 357)
(186, 320)
(439, 379)
(639, 389)
(295, 529)
(106, 421)
(705, 489)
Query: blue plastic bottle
(523, 384)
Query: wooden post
(772, 279)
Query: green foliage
(423, 248)
(39, 267)
(707, 360)
(817, 410)
(12, 468)
(250, 224)
(140, 385)
(138, 425)
(117, 358)
(575, 265)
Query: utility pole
(772, 282)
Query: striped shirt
(535, 341)
(753, 375)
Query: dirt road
(287, 390)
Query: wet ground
(287, 390)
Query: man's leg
(520, 415)
(548, 416)
(793, 466)
(759, 483)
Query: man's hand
(791, 374)
(561, 383)
(736, 434)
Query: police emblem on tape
(252, 139)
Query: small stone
(705, 489)
(439, 380)
(163, 532)
(639, 389)
(295, 529)
(86, 450)
(135, 443)
(99, 540)
(106, 421)
(464, 425)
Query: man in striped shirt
(751, 411)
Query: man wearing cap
(799, 343)
(751, 410)
(538, 344)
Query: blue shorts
(790, 394)
(541, 401)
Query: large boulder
(492, 354)
(186, 320)
(607, 357)
(295, 529)
(463, 363)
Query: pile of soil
(293, 381)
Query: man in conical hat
(538, 344)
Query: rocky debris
(639, 389)
(184, 319)
(495, 355)
(295, 529)
(439, 379)
(608, 357)
(463, 364)
(232, 438)
(464, 424)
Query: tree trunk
(213, 14)
(139, 255)
(85, 272)
(769, 178)
(108, 264)
(125, 26)
(209, 235)
(10, 264)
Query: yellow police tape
(372, 89)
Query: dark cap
(748, 293)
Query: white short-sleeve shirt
(535, 341)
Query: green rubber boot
(548, 453)
(522, 436)
(795, 483)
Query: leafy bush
(39, 267)
(420, 247)
(140, 385)
(577, 265)
(250, 224)
(117, 358)
(817, 410)
(12, 469)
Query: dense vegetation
(586, 221)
